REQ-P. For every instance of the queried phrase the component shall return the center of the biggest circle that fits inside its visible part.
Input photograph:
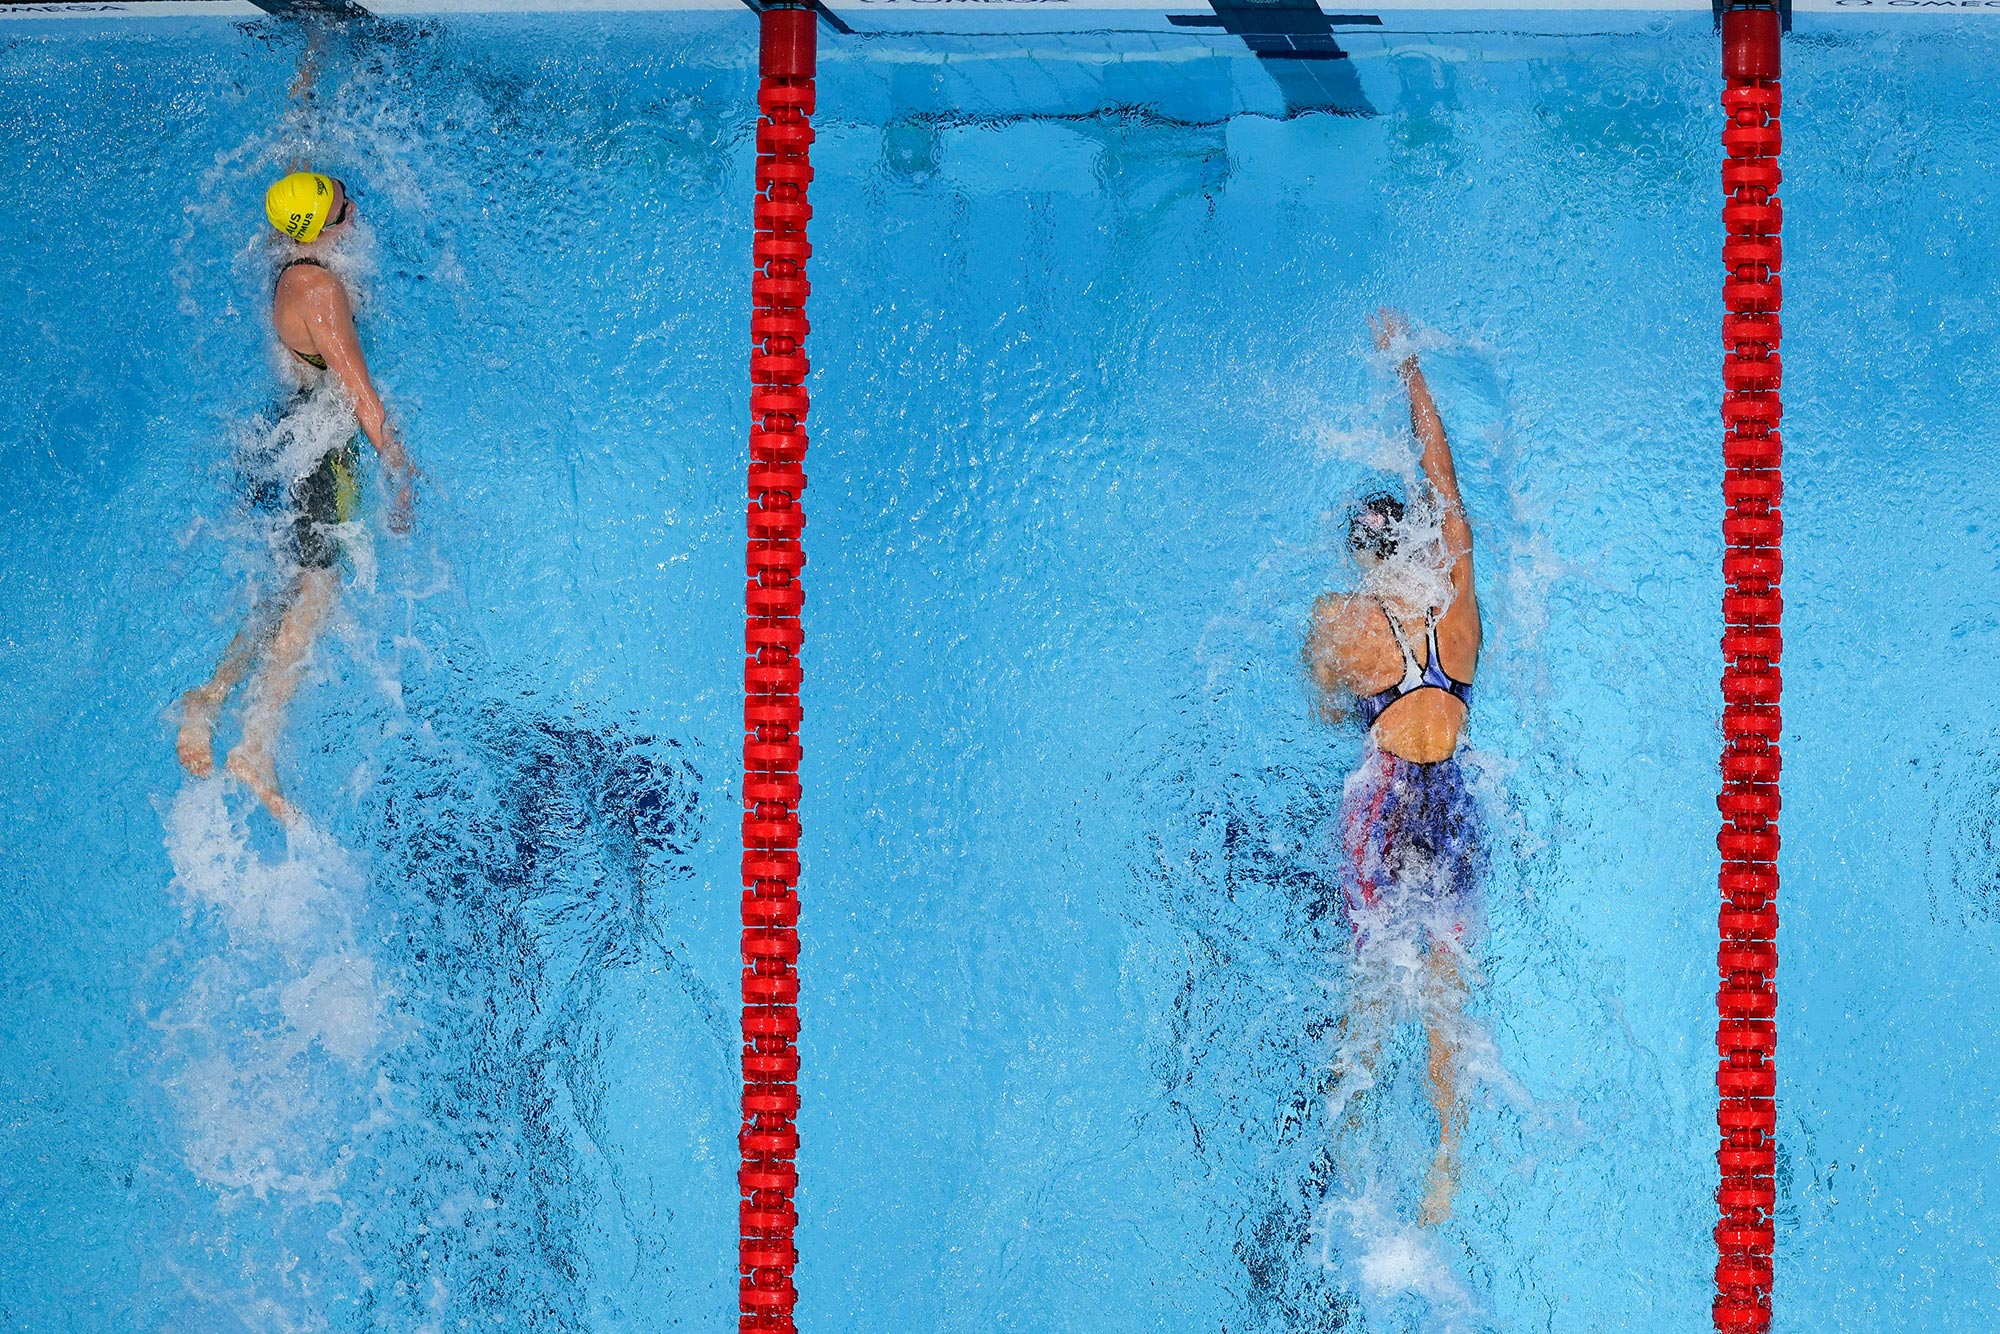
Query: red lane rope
(1752, 487)
(771, 675)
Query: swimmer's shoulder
(1339, 628)
(309, 281)
(1341, 613)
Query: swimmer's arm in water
(302, 85)
(332, 321)
(1461, 619)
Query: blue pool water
(1093, 387)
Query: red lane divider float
(769, 1140)
(1752, 487)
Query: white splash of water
(1392, 1259)
(270, 1050)
(289, 446)
(1367, 447)
(1414, 582)
(1409, 981)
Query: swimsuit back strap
(1415, 677)
(1413, 674)
(1434, 672)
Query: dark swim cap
(1371, 528)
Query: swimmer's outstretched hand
(1391, 328)
(402, 470)
(401, 507)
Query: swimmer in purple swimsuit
(1404, 646)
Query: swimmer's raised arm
(1438, 470)
(302, 84)
(1437, 465)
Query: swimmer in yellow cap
(304, 203)
(314, 321)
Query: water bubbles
(268, 1045)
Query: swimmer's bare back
(1353, 651)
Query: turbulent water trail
(270, 1039)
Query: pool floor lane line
(1752, 527)
(769, 1139)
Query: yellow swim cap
(298, 205)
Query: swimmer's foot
(256, 771)
(1438, 1190)
(196, 743)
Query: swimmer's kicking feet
(1409, 825)
(315, 322)
(195, 743)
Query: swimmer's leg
(1357, 1056)
(1444, 1002)
(199, 707)
(271, 690)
